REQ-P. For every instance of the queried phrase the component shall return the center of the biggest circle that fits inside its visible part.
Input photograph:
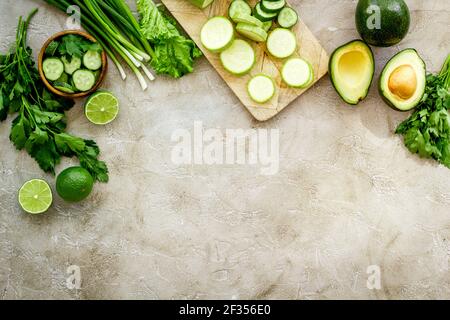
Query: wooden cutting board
(192, 20)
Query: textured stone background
(348, 194)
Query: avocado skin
(380, 88)
(330, 72)
(395, 22)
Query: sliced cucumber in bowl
(239, 58)
(53, 68)
(217, 34)
(83, 80)
(297, 73)
(261, 88)
(71, 66)
(251, 32)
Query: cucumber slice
(252, 32)
(217, 34)
(239, 7)
(267, 25)
(83, 80)
(246, 18)
(53, 68)
(281, 43)
(287, 18)
(261, 15)
(92, 60)
(72, 66)
(272, 6)
(297, 73)
(239, 58)
(261, 88)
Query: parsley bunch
(427, 131)
(40, 125)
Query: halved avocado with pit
(403, 80)
(352, 68)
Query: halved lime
(35, 196)
(102, 108)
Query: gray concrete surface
(348, 194)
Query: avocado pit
(403, 82)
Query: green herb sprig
(40, 125)
(427, 131)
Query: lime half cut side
(102, 108)
(35, 196)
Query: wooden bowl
(65, 94)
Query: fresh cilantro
(73, 45)
(427, 131)
(40, 124)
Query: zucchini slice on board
(217, 34)
(239, 58)
(239, 7)
(252, 32)
(263, 16)
(297, 73)
(245, 18)
(272, 6)
(261, 88)
(281, 43)
(287, 18)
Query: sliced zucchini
(239, 7)
(92, 60)
(281, 43)
(297, 73)
(272, 6)
(263, 16)
(246, 18)
(217, 34)
(287, 18)
(53, 68)
(252, 32)
(239, 58)
(83, 80)
(72, 66)
(261, 88)
(267, 25)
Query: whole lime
(74, 184)
(382, 23)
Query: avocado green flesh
(382, 23)
(410, 58)
(351, 70)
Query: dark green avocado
(382, 23)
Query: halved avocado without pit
(352, 68)
(403, 80)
